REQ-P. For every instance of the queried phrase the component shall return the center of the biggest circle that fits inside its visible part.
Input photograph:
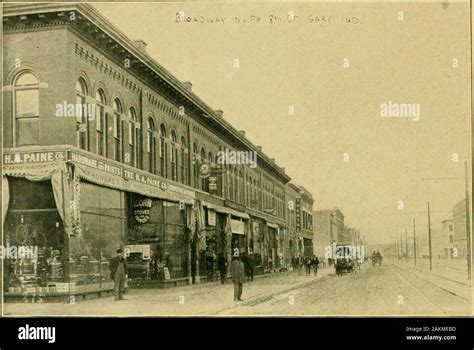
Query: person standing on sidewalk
(118, 268)
(315, 264)
(237, 271)
(307, 263)
(250, 266)
(222, 266)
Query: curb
(260, 297)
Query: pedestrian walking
(300, 264)
(307, 263)
(118, 268)
(238, 276)
(250, 267)
(315, 264)
(222, 266)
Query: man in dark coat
(315, 264)
(307, 264)
(237, 272)
(250, 266)
(118, 268)
(222, 266)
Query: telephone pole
(414, 241)
(429, 236)
(468, 227)
(401, 245)
(406, 241)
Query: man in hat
(237, 271)
(222, 266)
(118, 268)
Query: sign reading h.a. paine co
(118, 171)
(13, 158)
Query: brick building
(104, 148)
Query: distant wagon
(376, 259)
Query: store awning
(238, 227)
(225, 210)
(272, 225)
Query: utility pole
(406, 241)
(429, 236)
(401, 245)
(398, 249)
(414, 241)
(468, 227)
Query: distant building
(328, 228)
(459, 229)
(448, 233)
(299, 222)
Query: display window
(33, 240)
(159, 227)
(103, 221)
(215, 245)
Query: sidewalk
(202, 299)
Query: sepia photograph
(236, 159)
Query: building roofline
(94, 16)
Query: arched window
(236, 185)
(242, 188)
(184, 177)
(203, 160)
(118, 130)
(26, 114)
(133, 136)
(196, 165)
(174, 156)
(151, 145)
(82, 117)
(101, 126)
(163, 153)
(230, 177)
(218, 175)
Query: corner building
(134, 166)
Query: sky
(334, 65)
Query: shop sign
(237, 226)
(211, 217)
(117, 170)
(141, 210)
(204, 170)
(233, 205)
(143, 249)
(215, 170)
(212, 184)
(298, 214)
(32, 157)
(167, 273)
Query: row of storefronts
(66, 211)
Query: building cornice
(87, 18)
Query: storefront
(226, 233)
(307, 247)
(68, 211)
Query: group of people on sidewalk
(308, 263)
(242, 267)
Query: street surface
(396, 289)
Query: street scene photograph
(228, 159)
